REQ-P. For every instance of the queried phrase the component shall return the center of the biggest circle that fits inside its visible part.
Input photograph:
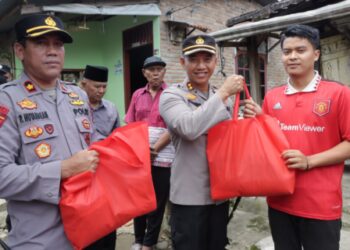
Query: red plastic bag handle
(236, 104)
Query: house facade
(121, 34)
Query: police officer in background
(105, 119)
(44, 127)
(105, 114)
(5, 71)
(2, 79)
(190, 109)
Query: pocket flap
(38, 131)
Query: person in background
(43, 138)
(2, 79)
(319, 137)
(105, 120)
(144, 106)
(189, 110)
(105, 114)
(5, 71)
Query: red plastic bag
(244, 157)
(94, 204)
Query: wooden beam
(254, 73)
(331, 11)
(232, 44)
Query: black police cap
(153, 61)
(96, 73)
(197, 43)
(2, 79)
(4, 69)
(39, 25)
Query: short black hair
(303, 31)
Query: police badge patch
(3, 114)
(43, 150)
(34, 132)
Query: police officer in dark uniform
(45, 128)
(105, 119)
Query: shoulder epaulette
(8, 84)
(69, 83)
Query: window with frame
(72, 75)
(242, 68)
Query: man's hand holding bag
(244, 157)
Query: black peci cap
(96, 73)
(197, 43)
(40, 24)
(152, 61)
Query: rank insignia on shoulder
(191, 96)
(49, 128)
(29, 86)
(43, 150)
(27, 104)
(77, 102)
(86, 124)
(189, 86)
(3, 114)
(73, 95)
(34, 132)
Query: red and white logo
(322, 107)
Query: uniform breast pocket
(85, 129)
(39, 139)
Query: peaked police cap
(40, 24)
(197, 43)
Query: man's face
(42, 57)
(298, 56)
(199, 67)
(94, 90)
(8, 76)
(154, 75)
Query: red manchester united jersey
(313, 122)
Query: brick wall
(212, 14)
(276, 74)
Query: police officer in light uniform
(105, 114)
(45, 125)
(105, 119)
(190, 109)
(5, 71)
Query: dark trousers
(199, 227)
(147, 227)
(105, 243)
(291, 232)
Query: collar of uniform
(29, 90)
(100, 106)
(311, 87)
(211, 89)
(145, 89)
(63, 88)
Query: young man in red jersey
(314, 115)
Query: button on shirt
(145, 108)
